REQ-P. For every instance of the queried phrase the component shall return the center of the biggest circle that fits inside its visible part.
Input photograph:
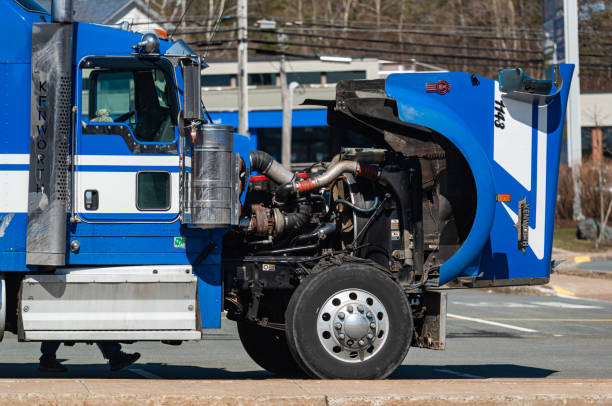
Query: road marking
(563, 291)
(532, 305)
(492, 323)
(547, 319)
(451, 372)
(582, 259)
(564, 305)
(144, 374)
(496, 304)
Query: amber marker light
(503, 198)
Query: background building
(312, 139)
(596, 108)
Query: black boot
(122, 360)
(51, 365)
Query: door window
(153, 190)
(138, 98)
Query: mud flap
(430, 329)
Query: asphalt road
(597, 266)
(489, 336)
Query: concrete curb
(125, 400)
(273, 392)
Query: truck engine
(399, 209)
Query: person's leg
(109, 349)
(48, 362)
(48, 349)
(117, 359)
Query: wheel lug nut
(349, 309)
(360, 309)
(372, 325)
(361, 342)
(370, 336)
(369, 315)
(341, 336)
(341, 316)
(338, 326)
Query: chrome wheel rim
(352, 325)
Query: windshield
(32, 5)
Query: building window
(335, 77)
(153, 190)
(304, 78)
(587, 141)
(217, 80)
(262, 79)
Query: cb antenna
(212, 36)
(181, 20)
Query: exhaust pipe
(61, 11)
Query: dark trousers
(109, 349)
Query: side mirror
(515, 80)
(192, 92)
(511, 79)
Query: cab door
(126, 156)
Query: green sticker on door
(179, 242)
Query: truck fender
(416, 108)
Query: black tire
(268, 348)
(302, 316)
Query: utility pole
(286, 101)
(243, 95)
(574, 137)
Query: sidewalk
(274, 392)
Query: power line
(394, 42)
(393, 51)
(296, 21)
(416, 32)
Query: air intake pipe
(61, 11)
(263, 163)
(309, 185)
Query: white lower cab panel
(135, 335)
(114, 303)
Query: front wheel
(350, 321)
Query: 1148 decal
(499, 117)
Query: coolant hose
(295, 221)
(320, 232)
(263, 163)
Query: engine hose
(289, 250)
(309, 185)
(263, 163)
(295, 221)
(320, 233)
(357, 208)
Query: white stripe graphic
(537, 235)
(14, 191)
(512, 144)
(14, 159)
(117, 192)
(127, 160)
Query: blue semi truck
(126, 215)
